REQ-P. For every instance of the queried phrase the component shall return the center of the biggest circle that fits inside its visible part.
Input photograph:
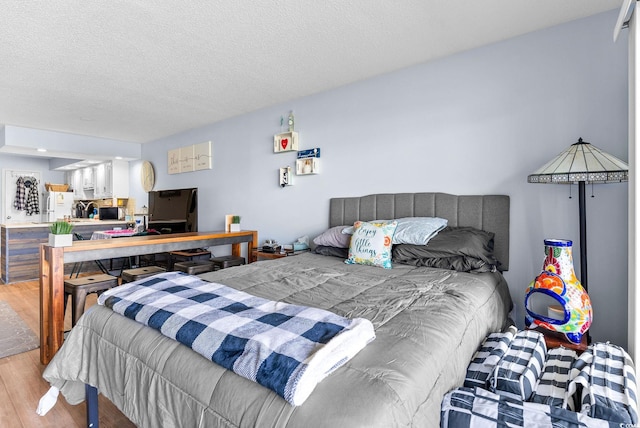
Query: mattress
(428, 322)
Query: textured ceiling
(139, 70)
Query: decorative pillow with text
(371, 244)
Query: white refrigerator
(58, 205)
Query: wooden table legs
(51, 301)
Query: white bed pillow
(412, 230)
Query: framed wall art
(202, 156)
(186, 159)
(173, 161)
(195, 157)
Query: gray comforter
(428, 324)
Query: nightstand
(556, 340)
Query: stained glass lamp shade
(582, 163)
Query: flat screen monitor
(174, 210)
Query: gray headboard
(486, 212)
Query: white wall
(475, 123)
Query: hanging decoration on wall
(202, 156)
(147, 176)
(290, 121)
(285, 177)
(285, 142)
(173, 161)
(195, 157)
(308, 162)
(186, 159)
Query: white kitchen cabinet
(100, 187)
(88, 178)
(105, 180)
(108, 180)
(75, 181)
(68, 179)
(112, 180)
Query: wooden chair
(79, 288)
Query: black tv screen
(174, 210)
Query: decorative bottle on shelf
(558, 280)
(291, 121)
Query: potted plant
(60, 235)
(235, 224)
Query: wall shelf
(285, 142)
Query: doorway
(11, 215)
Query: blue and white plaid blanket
(284, 347)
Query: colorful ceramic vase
(559, 281)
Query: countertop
(75, 222)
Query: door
(9, 213)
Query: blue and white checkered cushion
(552, 385)
(600, 384)
(519, 369)
(487, 356)
(478, 408)
(604, 379)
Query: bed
(428, 324)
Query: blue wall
(475, 123)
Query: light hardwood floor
(21, 382)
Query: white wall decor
(285, 142)
(173, 161)
(195, 157)
(308, 162)
(186, 159)
(202, 156)
(285, 177)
